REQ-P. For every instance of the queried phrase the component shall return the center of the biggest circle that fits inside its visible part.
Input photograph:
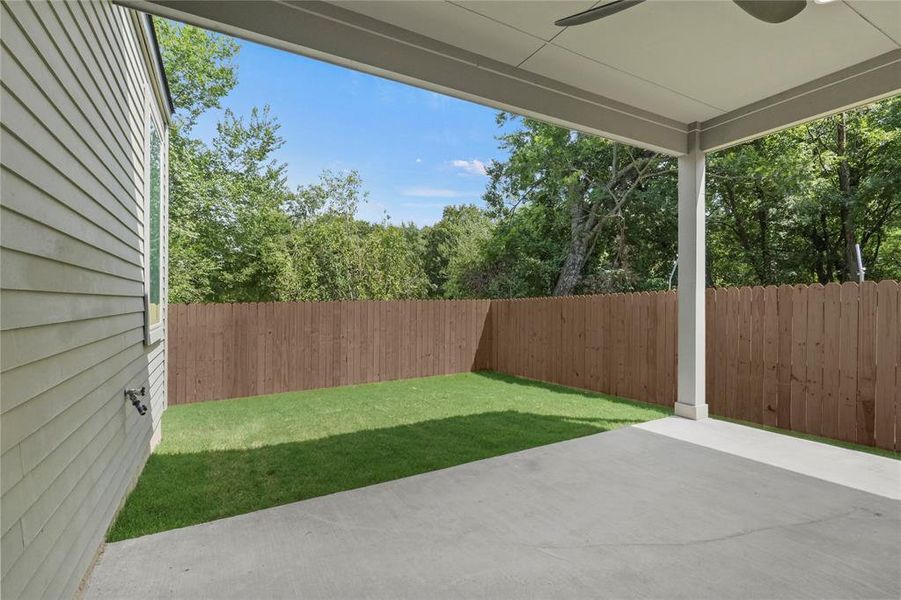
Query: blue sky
(417, 151)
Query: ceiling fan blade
(596, 12)
(772, 11)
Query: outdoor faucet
(132, 395)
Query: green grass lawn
(219, 459)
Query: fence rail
(814, 359)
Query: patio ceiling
(645, 76)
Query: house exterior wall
(79, 85)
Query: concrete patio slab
(628, 513)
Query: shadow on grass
(176, 490)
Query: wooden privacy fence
(813, 359)
(221, 351)
(621, 344)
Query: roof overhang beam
(333, 34)
(866, 82)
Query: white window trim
(155, 332)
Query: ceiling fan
(769, 11)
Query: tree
(334, 194)
(640, 247)
(523, 255)
(785, 208)
(335, 256)
(858, 154)
(238, 233)
(246, 224)
(199, 67)
(754, 193)
(452, 249)
(200, 72)
(224, 199)
(590, 178)
(791, 207)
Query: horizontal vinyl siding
(36, 238)
(34, 187)
(74, 118)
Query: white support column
(690, 400)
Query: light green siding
(78, 88)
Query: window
(153, 292)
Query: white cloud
(435, 100)
(428, 204)
(430, 192)
(418, 160)
(472, 167)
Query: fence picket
(733, 347)
(888, 333)
(866, 363)
(799, 358)
(848, 341)
(709, 344)
(785, 300)
(831, 359)
(814, 368)
(756, 373)
(660, 366)
(721, 342)
(770, 389)
(743, 408)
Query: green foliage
(237, 232)
(336, 257)
(453, 250)
(754, 191)
(788, 208)
(566, 208)
(199, 68)
(523, 257)
(200, 71)
(246, 221)
(639, 248)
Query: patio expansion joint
(546, 548)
